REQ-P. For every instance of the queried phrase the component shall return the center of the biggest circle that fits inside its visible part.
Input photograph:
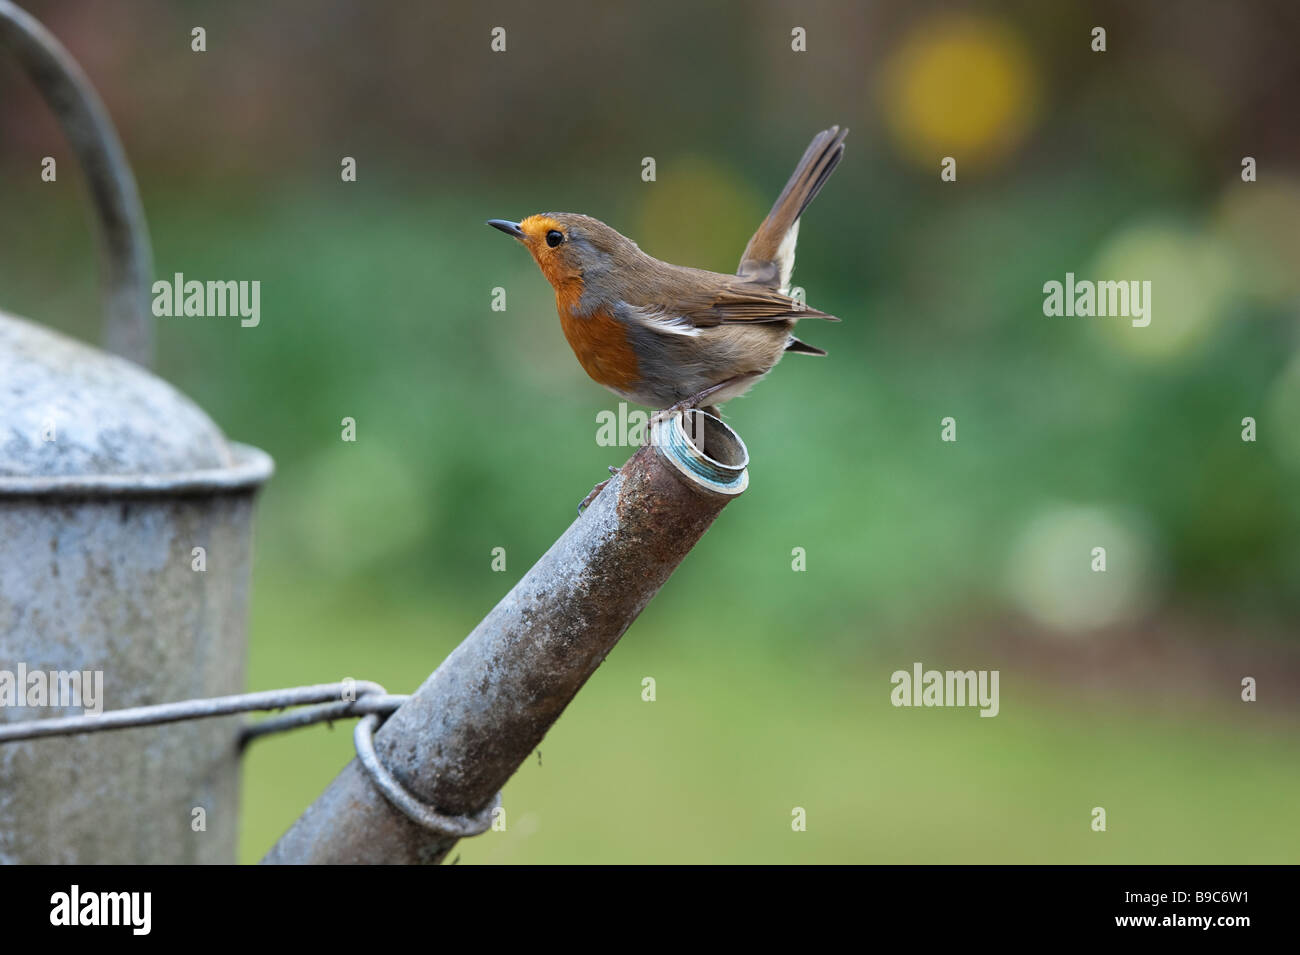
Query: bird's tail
(803, 348)
(769, 257)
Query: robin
(673, 337)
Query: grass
(736, 739)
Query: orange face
(547, 240)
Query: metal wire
(200, 709)
(460, 827)
(337, 701)
(378, 703)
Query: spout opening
(704, 450)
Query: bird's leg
(586, 501)
(694, 401)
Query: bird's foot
(659, 417)
(694, 429)
(586, 501)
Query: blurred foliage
(476, 428)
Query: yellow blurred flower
(959, 86)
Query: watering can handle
(128, 266)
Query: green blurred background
(476, 428)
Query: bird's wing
(769, 257)
(743, 302)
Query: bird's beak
(508, 227)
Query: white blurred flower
(1191, 276)
(1050, 575)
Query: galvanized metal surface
(109, 478)
(462, 734)
(72, 411)
(106, 585)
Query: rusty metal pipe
(464, 732)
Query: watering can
(125, 550)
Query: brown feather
(759, 263)
(747, 302)
(803, 348)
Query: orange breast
(599, 341)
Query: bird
(672, 337)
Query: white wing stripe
(664, 322)
(785, 257)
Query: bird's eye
(554, 238)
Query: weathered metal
(109, 481)
(462, 734)
(338, 701)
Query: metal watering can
(125, 551)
